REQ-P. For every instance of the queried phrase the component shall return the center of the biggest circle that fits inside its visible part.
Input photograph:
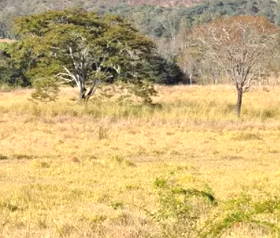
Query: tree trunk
(239, 101)
(82, 93)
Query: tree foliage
(84, 49)
(10, 73)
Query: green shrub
(191, 213)
(180, 210)
(261, 214)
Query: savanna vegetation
(97, 139)
(189, 168)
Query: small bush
(180, 210)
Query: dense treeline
(168, 27)
(165, 22)
(153, 20)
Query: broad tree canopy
(83, 49)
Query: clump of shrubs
(191, 213)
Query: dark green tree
(10, 73)
(85, 50)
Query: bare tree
(240, 46)
(188, 61)
(187, 53)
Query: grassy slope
(67, 172)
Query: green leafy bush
(192, 213)
(181, 210)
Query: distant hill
(157, 18)
(11, 9)
(159, 21)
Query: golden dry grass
(71, 171)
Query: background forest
(166, 22)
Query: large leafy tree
(84, 49)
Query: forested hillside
(159, 21)
(166, 22)
(154, 17)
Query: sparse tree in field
(189, 59)
(186, 57)
(84, 49)
(240, 46)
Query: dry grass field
(71, 171)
